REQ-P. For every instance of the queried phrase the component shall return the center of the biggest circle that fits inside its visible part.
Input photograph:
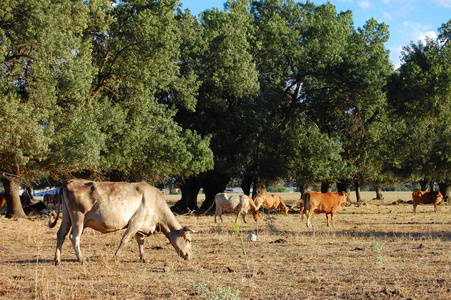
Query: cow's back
(425, 197)
(325, 202)
(108, 206)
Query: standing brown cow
(422, 197)
(326, 203)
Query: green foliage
(420, 101)
(92, 97)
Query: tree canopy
(256, 92)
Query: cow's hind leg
(309, 214)
(140, 240)
(131, 231)
(77, 230)
(61, 235)
(332, 217)
(327, 218)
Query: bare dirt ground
(379, 250)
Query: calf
(326, 203)
(271, 201)
(241, 204)
(422, 197)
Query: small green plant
(225, 293)
(236, 228)
(270, 221)
(377, 248)
(202, 287)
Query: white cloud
(428, 34)
(443, 3)
(364, 4)
(415, 31)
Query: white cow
(112, 206)
(241, 204)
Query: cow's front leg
(237, 216)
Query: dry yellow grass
(376, 251)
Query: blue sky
(409, 20)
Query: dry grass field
(379, 250)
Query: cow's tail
(307, 203)
(59, 203)
(213, 204)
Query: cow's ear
(183, 232)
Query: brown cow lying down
(322, 203)
(49, 198)
(241, 204)
(2, 200)
(270, 201)
(111, 206)
(422, 197)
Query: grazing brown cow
(422, 197)
(271, 201)
(111, 206)
(241, 204)
(326, 203)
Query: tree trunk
(302, 185)
(246, 185)
(12, 190)
(357, 191)
(423, 185)
(378, 190)
(346, 187)
(190, 189)
(445, 189)
(326, 186)
(260, 187)
(214, 183)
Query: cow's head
(343, 198)
(439, 199)
(257, 215)
(283, 208)
(181, 240)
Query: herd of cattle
(142, 210)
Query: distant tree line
(257, 92)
